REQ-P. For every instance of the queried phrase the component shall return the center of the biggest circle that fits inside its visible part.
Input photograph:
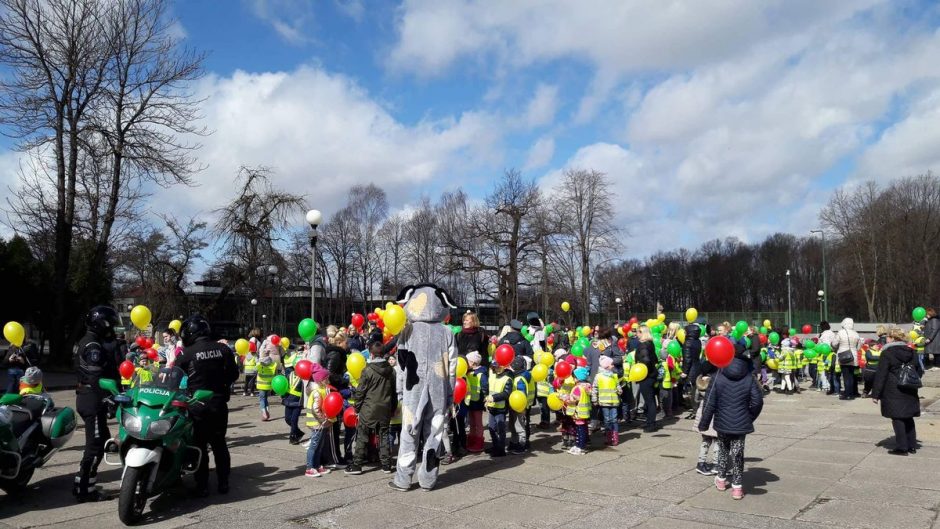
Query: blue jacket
(734, 400)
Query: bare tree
(369, 207)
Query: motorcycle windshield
(162, 387)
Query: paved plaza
(815, 462)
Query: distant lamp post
(821, 297)
(272, 273)
(254, 310)
(314, 217)
(825, 288)
(619, 302)
(789, 305)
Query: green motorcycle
(31, 431)
(155, 438)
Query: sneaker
(448, 459)
(517, 451)
(721, 484)
(737, 493)
(324, 470)
(574, 450)
(294, 440)
(353, 470)
(702, 469)
(265, 415)
(387, 469)
(396, 486)
(312, 473)
(712, 470)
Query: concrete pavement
(815, 462)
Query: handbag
(908, 377)
(846, 357)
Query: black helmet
(193, 328)
(102, 320)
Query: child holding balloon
(499, 387)
(321, 426)
(580, 401)
(606, 395)
(375, 401)
(476, 392)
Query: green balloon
(810, 353)
(793, 331)
(763, 355)
(763, 330)
(585, 343)
(674, 349)
(919, 313)
(527, 333)
(455, 329)
(577, 349)
(549, 329)
(741, 327)
(280, 385)
(774, 338)
(809, 345)
(747, 342)
(660, 328)
(823, 348)
(307, 329)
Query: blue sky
(712, 118)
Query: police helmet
(193, 328)
(102, 320)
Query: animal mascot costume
(427, 353)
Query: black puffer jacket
(896, 403)
(646, 354)
(692, 348)
(734, 400)
(335, 363)
(469, 340)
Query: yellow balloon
(767, 324)
(661, 317)
(242, 346)
(394, 319)
(680, 335)
(691, 314)
(14, 333)
(285, 342)
(518, 401)
(913, 334)
(565, 306)
(140, 317)
(175, 325)
(652, 323)
(547, 360)
(539, 372)
(355, 363)
(491, 348)
(461, 367)
(554, 402)
(638, 373)
(771, 363)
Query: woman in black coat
(646, 354)
(899, 405)
(472, 337)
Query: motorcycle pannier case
(58, 425)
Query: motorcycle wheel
(133, 497)
(17, 484)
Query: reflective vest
(529, 389)
(497, 384)
(265, 375)
(290, 360)
(606, 389)
(312, 421)
(251, 364)
(543, 388)
(473, 387)
(872, 357)
(125, 381)
(667, 374)
(353, 384)
(30, 389)
(143, 375)
(296, 385)
(583, 409)
(787, 363)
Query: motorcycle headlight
(161, 427)
(132, 424)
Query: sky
(712, 118)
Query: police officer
(94, 360)
(209, 365)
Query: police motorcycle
(32, 429)
(155, 437)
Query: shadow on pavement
(756, 477)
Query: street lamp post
(789, 303)
(821, 296)
(314, 217)
(825, 288)
(619, 302)
(254, 307)
(272, 272)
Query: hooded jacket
(375, 396)
(335, 362)
(847, 340)
(734, 401)
(932, 333)
(692, 348)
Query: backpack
(907, 376)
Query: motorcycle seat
(35, 406)
(21, 421)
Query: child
(580, 401)
(144, 371)
(518, 420)
(251, 373)
(734, 402)
(499, 387)
(476, 392)
(293, 402)
(542, 390)
(321, 427)
(606, 395)
(376, 401)
(31, 383)
(785, 367)
(709, 436)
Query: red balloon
(350, 417)
(807, 329)
(358, 320)
(373, 316)
(275, 340)
(460, 390)
(252, 347)
(146, 343)
(581, 361)
(380, 323)
(763, 339)
(140, 341)
(333, 404)
(557, 383)
(719, 351)
(550, 340)
(622, 344)
(563, 370)
(571, 359)
(126, 369)
(632, 321)
(504, 354)
(152, 354)
(304, 369)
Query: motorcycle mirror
(108, 385)
(202, 395)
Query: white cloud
(909, 147)
(540, 154)
(321, 133)
(542, 107)
(289, 18)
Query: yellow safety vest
(265, 375)
(606, 390)
(583, 409)
(529, 389)
(497, 384)
(312, 421)
(290, 360)
(251, 364)
(143, 376)
(566, 386)
(543, 388)
(26, 389)
(473, 387)
(353, 384)
(296, 385)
